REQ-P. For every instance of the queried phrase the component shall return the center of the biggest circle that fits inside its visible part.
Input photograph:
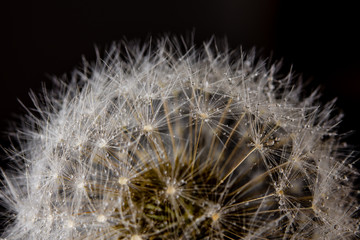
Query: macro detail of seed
(164, 144)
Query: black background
(44, 38)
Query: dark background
(44, 38)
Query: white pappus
(180, 142)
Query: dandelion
(180, 142)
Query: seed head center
(215, 217)
(80, 185)
(171, 190)
(135, 237)
(101, 218)
(70, 224)
(123, 180)
(148, 128)
(280, 192)
(203, 115)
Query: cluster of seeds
(151, 145)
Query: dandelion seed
(70, 224)
(171, 190)
(148, 128)
(123, 180)
(135, 237)
(203, 116)
(80, 185)
(101, 218)
(102, 143)
(215, 217)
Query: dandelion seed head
(161, 143)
